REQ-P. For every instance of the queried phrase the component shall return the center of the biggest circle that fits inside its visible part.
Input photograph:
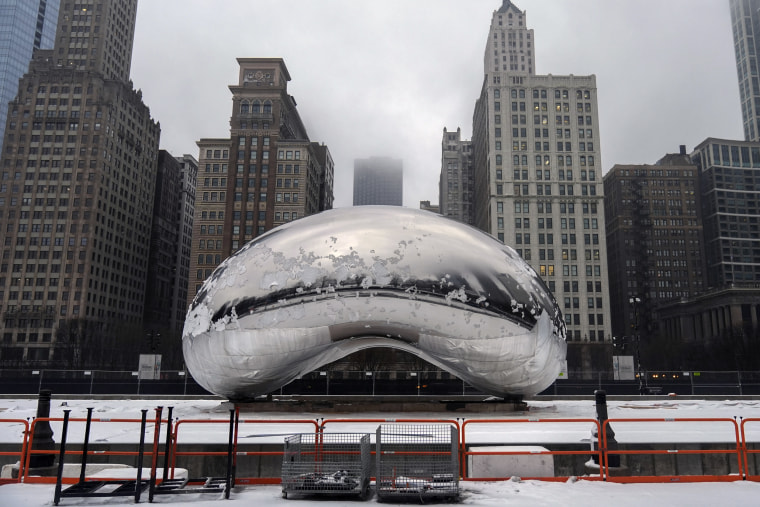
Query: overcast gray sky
(384, 77)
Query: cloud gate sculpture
(320, 288)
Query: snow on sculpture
(317, 289)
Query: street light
(635, 301)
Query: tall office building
(265, 174)
(538, 179)
(456, 181)
(720, 326)
(730, 186)
(170, 244)
(25, 26)
(378, 180)
(654, 239)
(745, 22)
(77, 182)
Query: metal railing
(377, 383)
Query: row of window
(559, 107)
(545, 174)
(55, 125)
(541, 93)
(547, 207)
(50, 138)
(562, 160)
(222, 153)
(524, 238)
(591, 302)
(31, 337)
(542, 190)
(544, 133)
(256, 107)
(565, 223)
(521, 119)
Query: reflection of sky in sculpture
(364, 258)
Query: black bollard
(43, 434)
(613, 460)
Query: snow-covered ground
(512, 493)
(509, 493)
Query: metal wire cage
(326, 463)
(416, 460)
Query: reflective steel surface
(317, 289)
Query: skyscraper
(456, 181)
(265, 174)
(654, 239)
(170, 244)
(25, 26)
(538, 180)
(77, 182)
(745, 21)
(378, 180)
(730, 181)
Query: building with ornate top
(267, 173)
(538, 178)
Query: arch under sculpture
(317, 289)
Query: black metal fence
(378, 383)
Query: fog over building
(378, 180)
(536, 156)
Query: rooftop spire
(506, 4)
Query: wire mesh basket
(326, 463)
(416, 460)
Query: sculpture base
(363, 404)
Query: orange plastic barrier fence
(71, 480)
(727, 477)
(464, 452)
(21, 453)
(267, 480)
(737, 445)
(238, 480)
(750, 464)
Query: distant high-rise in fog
(378, 180)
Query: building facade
(378, 180)
(745, 22)
(171, 240)
(265, 174)
(456, 182)
(77, 181)
(538, 182)
(730, 191)
(25, 26)
(654, 239)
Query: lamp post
(634, 301)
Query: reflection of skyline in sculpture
(317, 289)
